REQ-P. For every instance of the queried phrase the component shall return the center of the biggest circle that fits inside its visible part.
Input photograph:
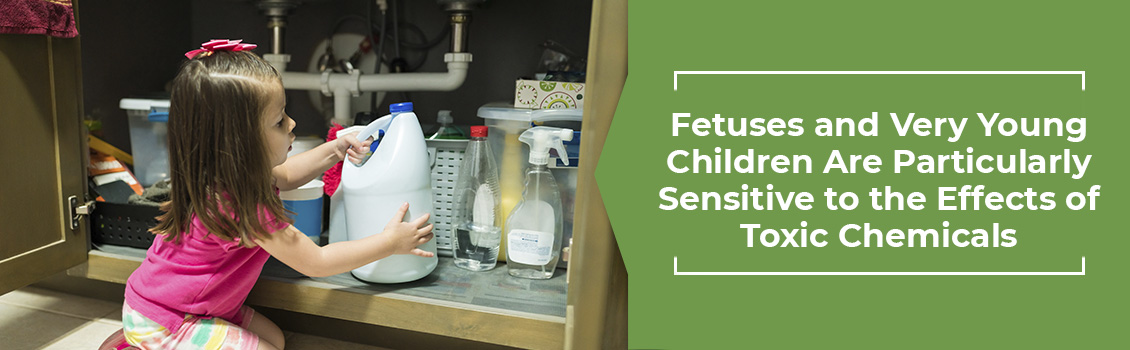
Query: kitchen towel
(52, 17)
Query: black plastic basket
(123, 224)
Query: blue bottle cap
(400, 107)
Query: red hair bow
(220, 45)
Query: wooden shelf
(489, 307)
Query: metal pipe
(459, 25)
(276, 12)
(278, 31)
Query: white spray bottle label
(530, 247)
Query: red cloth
(52, 17)
(332, 177)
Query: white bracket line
(1083, 272)
(1082, 74)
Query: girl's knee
(267, 331)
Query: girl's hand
(404, 237)
(348, 145)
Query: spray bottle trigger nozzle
(561, 153)
(564, 135)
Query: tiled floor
(35, 318)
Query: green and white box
(538, 94)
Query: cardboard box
(538, 94)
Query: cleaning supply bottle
(445, 130)
(396, 172)
(533, 229)
(478, 225)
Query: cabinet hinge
(78, 211)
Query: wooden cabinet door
(42, 158)
(597, 300)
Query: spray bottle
(533, 229)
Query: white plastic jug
(397, 172)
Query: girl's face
(277, 126)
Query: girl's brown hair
(218, 157)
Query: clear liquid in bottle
(476, 246)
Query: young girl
(228, 139)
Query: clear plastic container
(478, 225)
(505, 123)
(148, 127)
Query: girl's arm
(300, 253)
(305, 166)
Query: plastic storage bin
(505, 124)
(123, 224)
(148, 124)
(445, 158)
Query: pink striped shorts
(195, 333)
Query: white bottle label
(529, 247)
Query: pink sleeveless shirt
(202, 275)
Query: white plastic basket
(446, 156)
